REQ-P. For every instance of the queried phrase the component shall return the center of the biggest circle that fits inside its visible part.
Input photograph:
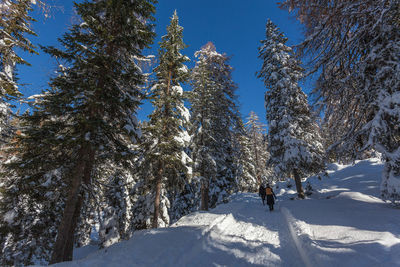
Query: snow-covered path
(343, 223)
(240, 233)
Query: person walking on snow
(261, 193)
(270, 197)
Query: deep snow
(343, 223)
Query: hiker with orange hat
(270, 197)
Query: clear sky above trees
(234, 26)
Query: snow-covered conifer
(114, 211)
(142, 198)
(259, 147)
(87, 118)
(357, 49)
(214, 117)
(246, 177)
(165, 149)
(31, 209)
(15, 24)
(294, 140)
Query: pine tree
(246, 178)
(115, 207)
(294, 141)
(143, 193)
(259, 146)
(108, 124)
(32, 198)
(87, 118)
(181, 195)
(358, 42)
(108, 205)
(15, 24)
(169, 120)
(214, 118)
(183, 201)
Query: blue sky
(234, 26)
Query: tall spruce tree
(88, 116)
(294, 141)
(105, 94)
(169, 120)
(214, 118)
(15, 24)
(355, 44)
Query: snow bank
(344, 222)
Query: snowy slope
(346, 223)
(343, 223)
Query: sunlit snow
(342, 223)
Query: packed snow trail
(342, 223)
(239, 233)
(248, 235)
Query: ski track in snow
(303, 254)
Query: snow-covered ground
(343, 223)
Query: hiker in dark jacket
(261, 193)
(270, 197)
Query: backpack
(268, 190)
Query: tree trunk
(69, 241)
(86, 180)
(204, 194)
(299, 187)
(158, 194)
(63, 246)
